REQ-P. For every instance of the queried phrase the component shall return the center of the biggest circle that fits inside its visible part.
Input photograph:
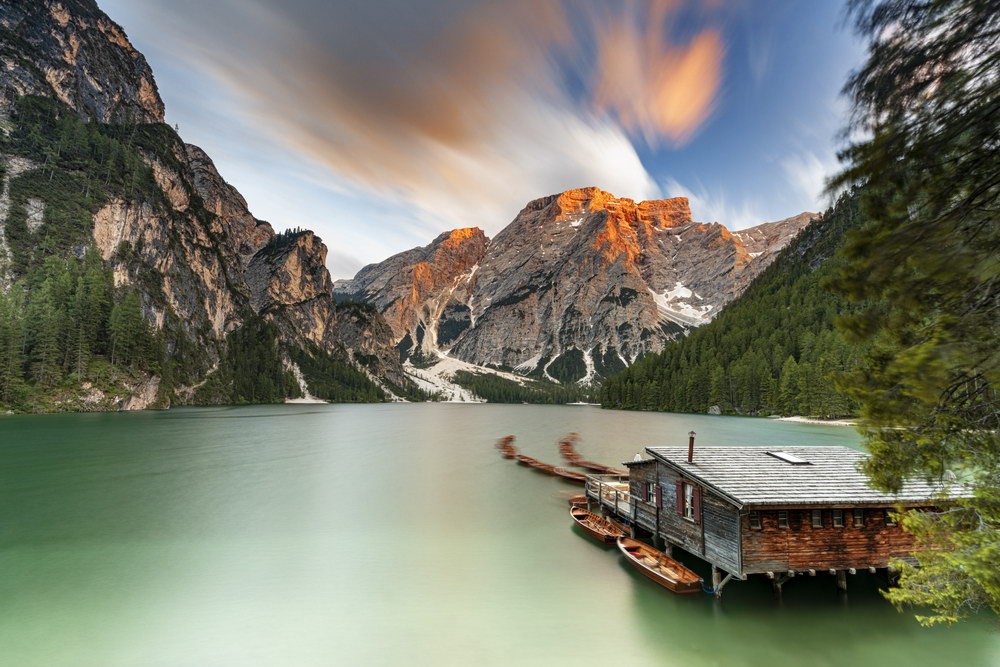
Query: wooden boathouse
(781, 511)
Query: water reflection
(382, 535)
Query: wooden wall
(644, 511)
(800, 546)
(675, 528)
(722, 533)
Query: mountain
(773, 350)
(578, 286)
(103, 205)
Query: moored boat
(578, 501)
(571, 475)
(596, 526)
(659, 567)
(536, 464)
(506, 447)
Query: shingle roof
(752, 476)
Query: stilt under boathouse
(780, 512)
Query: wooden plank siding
(673, 527)
(722, 533)
(643, 511)
(802, 547)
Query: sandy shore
(823, 422)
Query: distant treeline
(774, 350)
(496, 389)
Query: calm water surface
(383, 535)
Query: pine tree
(926, 267)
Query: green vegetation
(81, 166)
(774, 350)
(496, 389)
(927, 271)
(251, 370)
(69, 339)
(334, 380)
(59, 326)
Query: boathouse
(778, 511)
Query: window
(650, 491)
(859, 518)
(817, 518)
(838, 518)
(782, 518)
(755, 520)
(890, 518)
(689, 501)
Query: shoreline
(798, 419)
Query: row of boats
(651, 563)
(509, 451)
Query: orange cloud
(653, 87)
(461, 108)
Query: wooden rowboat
(536, 464)
(659, 567)
(506, 447)
(578, 501)
(596, 526)
(571, 475)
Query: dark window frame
(783, 519)
(838, 518)
(889, 520)
(858, 518)
(755, 523)
(817, 518)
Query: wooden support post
(668, 548)
(832, 571)
(842, 580)
(780, 581)
(716, 578)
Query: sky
(379, 124)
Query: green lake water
(302, 535)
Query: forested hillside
(70, 339)
(772, 351)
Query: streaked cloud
(807, 175)
(652, 85)
(462, 110)
(715, 206)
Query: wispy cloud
(715, 206)
(461, 110)
(807, 176)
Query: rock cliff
(579, 285)
(203, 264)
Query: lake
(317, 535)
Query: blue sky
(381, 123)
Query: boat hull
(667, 573)
(600, 529)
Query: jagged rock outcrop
(423, 293)
(70, 50)
(200, 260)
(577, 286)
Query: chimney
(691, 435)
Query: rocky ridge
(197, 255)
(577, 286)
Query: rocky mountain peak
(78, 55)
(578, 285)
